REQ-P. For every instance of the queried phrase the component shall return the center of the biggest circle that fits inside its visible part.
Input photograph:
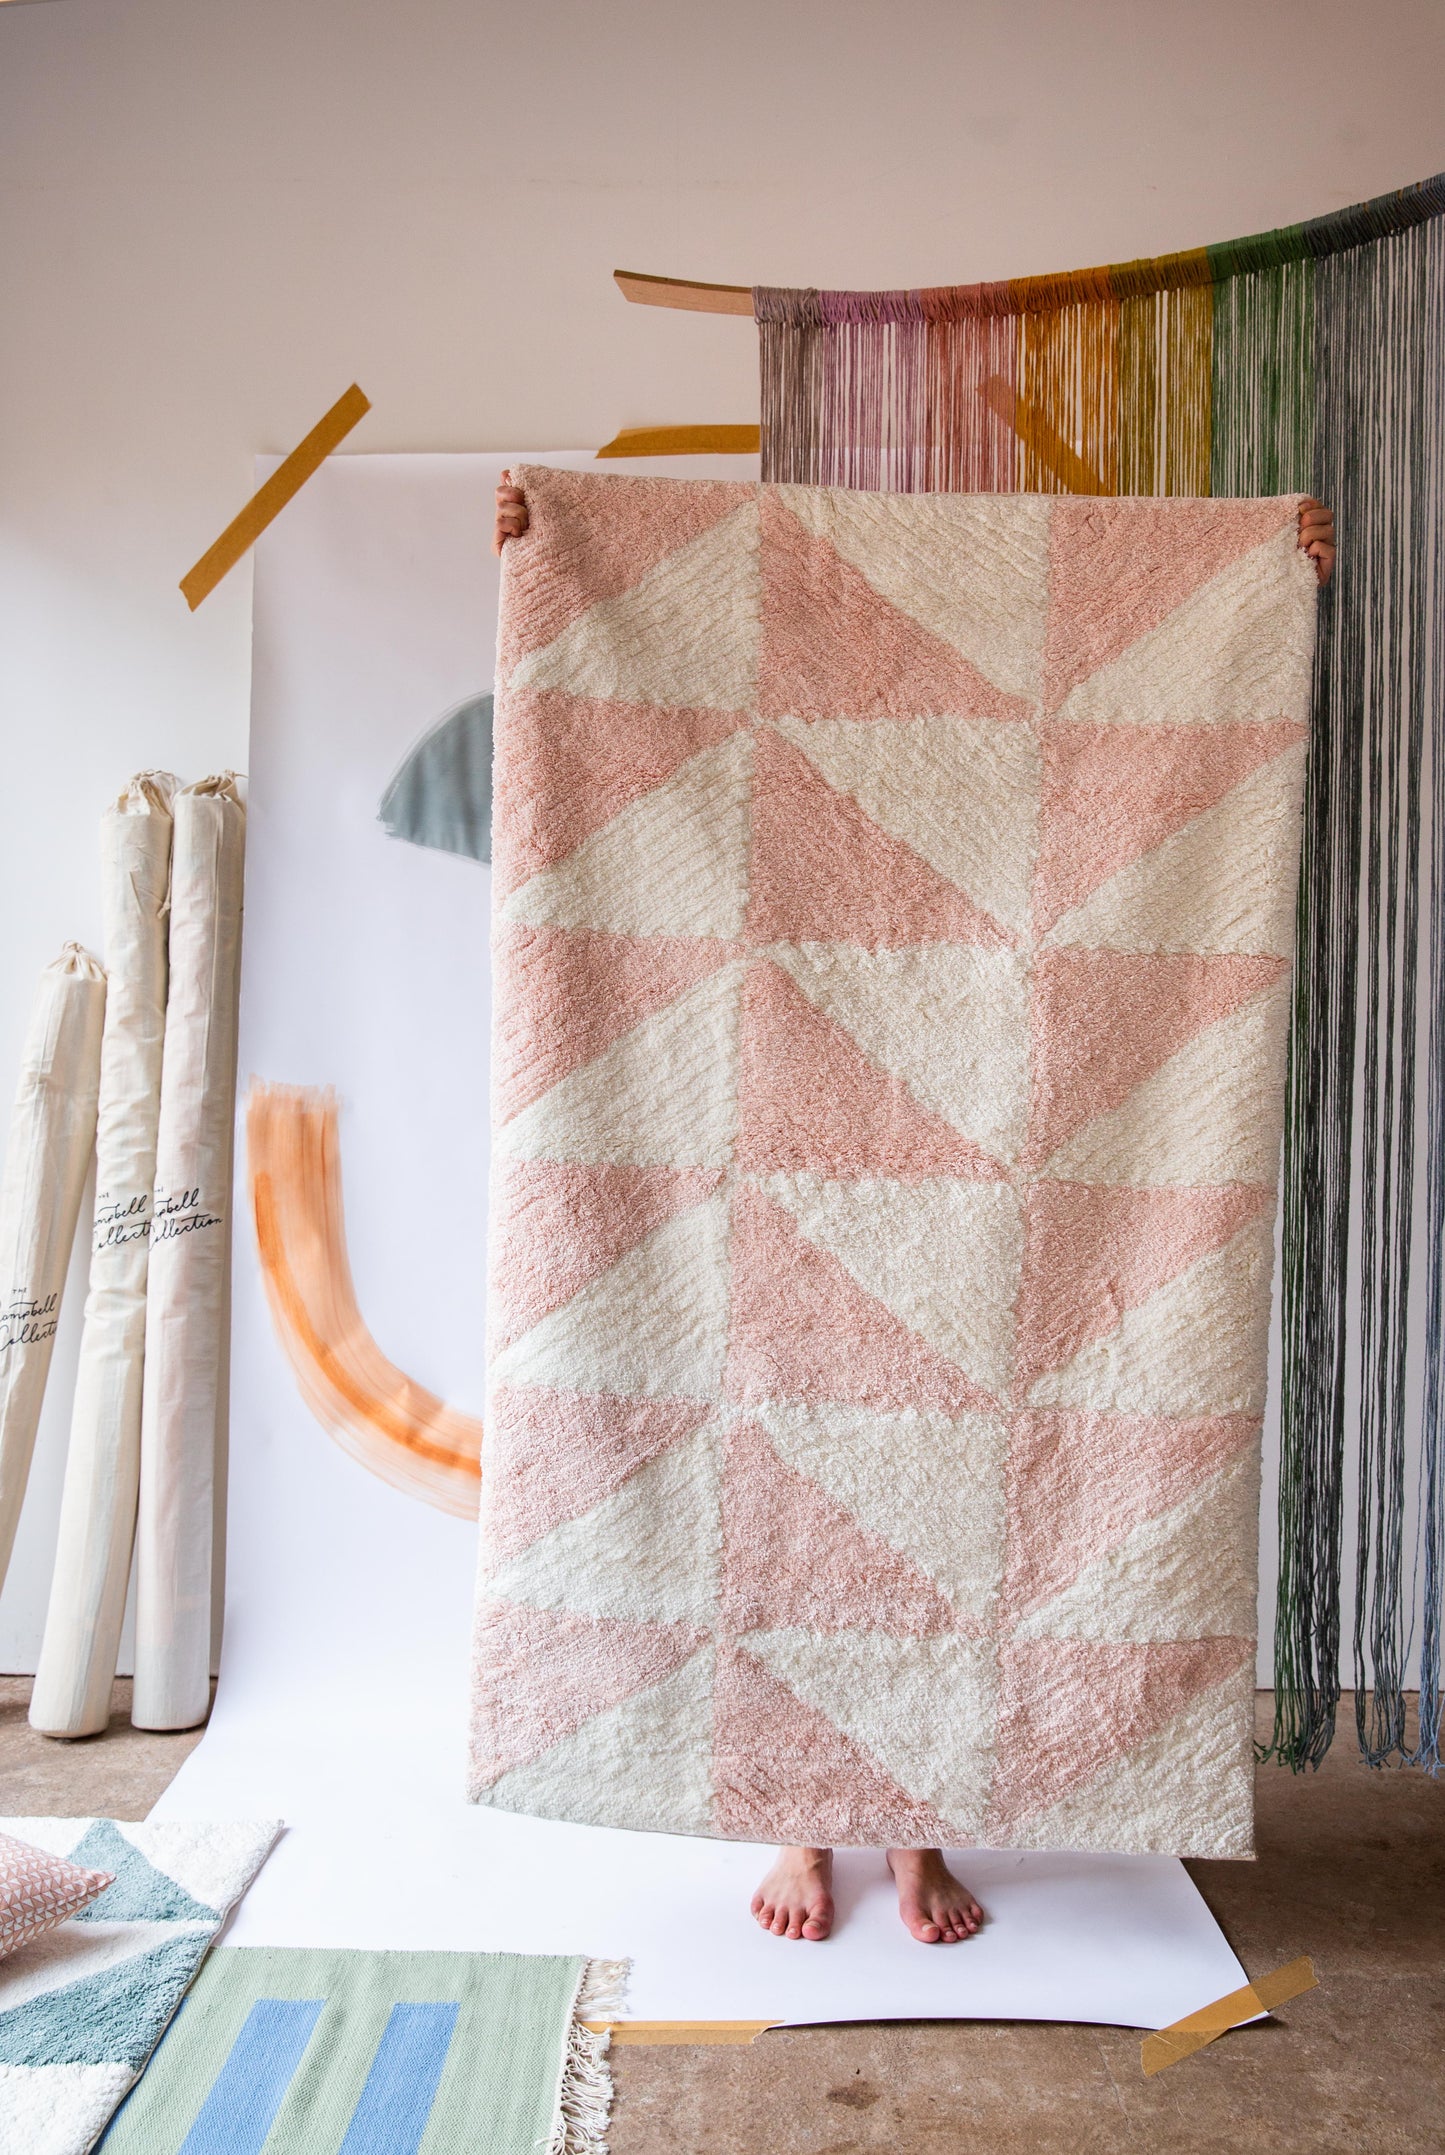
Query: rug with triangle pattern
(894, 908)
(83, 2005)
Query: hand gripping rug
(893, 925)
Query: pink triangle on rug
(1117, 569)
(1091, 1253)
(802, 1328)
(782, 1771)
(1067, 1707)
(561, 1224)
(1079, 1483)
(809, 1100)
(822, 871)
(566, 994)
(1086, 1060)
(793, 1557)
(566, 766)
(1113, 793)
(542, 1672)
(600, 542)
(833, 647)
(559, 1453)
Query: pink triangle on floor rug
(600, 542)
(556, 787)
(1079, 1483)
(1111, 794)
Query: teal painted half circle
(442, 794)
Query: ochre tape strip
(270, 499)
(684, 441)
(1035, 432)
(683, 2031)
(684, 292)
(1196, 2029)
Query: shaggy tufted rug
(83, 2006)
(894, 911)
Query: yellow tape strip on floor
(682, 2031)
(271, 498)
(1196, 2029)
(684, 441)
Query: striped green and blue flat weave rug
(314, 2052)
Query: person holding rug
(1316, 527)
(795, 1899)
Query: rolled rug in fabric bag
(186, 1287)
(52, 1130)
(97, 1510)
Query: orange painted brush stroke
(397, 1428)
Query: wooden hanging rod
(684, 292)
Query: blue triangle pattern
(113, 2018)
(141, 1893)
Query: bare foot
(794, 1900)
(935, 1907)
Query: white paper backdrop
(343, 1678)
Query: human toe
(818, 1918)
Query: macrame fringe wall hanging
(1307, 359)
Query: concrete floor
(1351, 1870)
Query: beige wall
(213, 216)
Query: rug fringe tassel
(584, 2098)
(604, 1989)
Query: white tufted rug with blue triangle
(83, 2006)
